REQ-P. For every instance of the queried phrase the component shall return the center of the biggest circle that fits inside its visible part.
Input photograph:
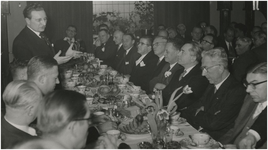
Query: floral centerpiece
(158, 116)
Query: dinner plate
(187, 143)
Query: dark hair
(131, 35)
(198, 28)
(38, 65)
(32, 7)
(260, 68)
(229, 29)
(176, 43)
(59, 108)
(214, 39)
(261, 34)
(16, 65)
(241, 27)
(149, 39)
(213, 29)
(258, 27)
(104, 31)
(73, 26)
(104, 25)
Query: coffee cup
(89, 100)
(82, 88)
(114, 133)
(200, 138)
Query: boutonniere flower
(187, 90)
(167, 74)
(142, 64)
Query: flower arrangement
(158, 119)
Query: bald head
(163, 33)
(118, 37)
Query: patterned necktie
(43, 37)
(182, 74)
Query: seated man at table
(65, 118)
(118, 40)
(209, 41)
(64, 44)
(21, 98)
(129, 55)
(259, 138)
(168, 71)
(216, 111)
(159, 45)
(145, 65)
(43, 71)
(107, 50)
(191, 75)
(254, 104)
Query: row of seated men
(37, 116)
(218, 94)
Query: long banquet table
(133, 140)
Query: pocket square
(103, 49)
(142, 64)
(126, 63)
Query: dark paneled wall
(63, 13)
(171, 13)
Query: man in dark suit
(191, 75)
(31, 41)
(197, 34)
(209, 41)
(159, 45)
(129, 55)
(107, 51)
(216, 111)
(228, 43)
(118, 40)
(254, 104)
(168, 71)
(21, 98)
(145, 65)
(64, 44)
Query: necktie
(139, 60)
(182, 74)
(231, 51)
(215, 89)
(43, 37)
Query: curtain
(63, 13)
(190, 13)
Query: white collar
(37, 33)
(219, 84)
(26, 129)
(172, 65)
(128, 50)
(161, 58)
(188, 70)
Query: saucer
(187, 144)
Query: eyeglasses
(207, 68)
(207, 41)
(88, 119)
(141, 43)
(157, 43)
(253, 85)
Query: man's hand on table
(248, 142)
(106, 126)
